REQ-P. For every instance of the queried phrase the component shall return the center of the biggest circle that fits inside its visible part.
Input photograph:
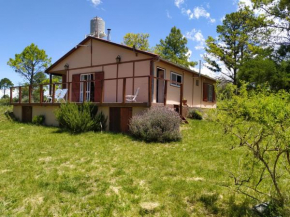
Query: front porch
(110, 92)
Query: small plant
(38, 119)
(158, 124)
(194, 114)
(100, 122)
(80, 118)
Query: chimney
(108, 35)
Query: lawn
(46, 172)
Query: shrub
(80, 118)
(194, 114)
(38, 119)
(158, 124)
(4, 101)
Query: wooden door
(114, 125)
(126, 115)
(27, 114)
(119, 119)
(99, 76)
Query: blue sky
(58, 25)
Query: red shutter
(99, 76)
(75, 88)
(205, 92)
(64, 81)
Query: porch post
(50, 82)
(124, 90)
(165, 93)
(181, 97)
(11, 93)
(149, 90)
(29, 92)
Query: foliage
(39, 77)
(174, 48)
(260, 71)
(139, 41)
(80, 118)
(29, 62)
(237, 41)
(157, 124)
(259, 121)
(5, 83)
(38, 119)
(4, 101)
(194, 114)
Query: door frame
(157, 81)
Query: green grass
(45, 172)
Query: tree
(39, 77)
(139, 41)
(261, 71)
(258, 120)
(174, 49)
(29, 62)
(5, 83)
(277, 13)
(237, 41)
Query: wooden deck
(113, 104)
(34, 95)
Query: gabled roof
(128, 48)
(98, 39)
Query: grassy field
(46, 172)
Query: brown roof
(126, 47)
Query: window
(174, 77)
(197, 82)
(208, 93)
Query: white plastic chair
(61, 95)
(132, 98)
(49, 97)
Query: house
(104, 72)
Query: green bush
(194, 114)
(158, 124)
(80, 118)
(38, 119)
(4, 101)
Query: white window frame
(174, 84)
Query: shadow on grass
(230, 208)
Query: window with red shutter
(205, 92)
(76, 88)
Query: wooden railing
(35, 94)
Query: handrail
(68, 85)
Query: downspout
(156, 59)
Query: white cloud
(168, 14)
(222, 19)
(196, 13)
(96, 2)
(200, 12)
(178, 3)
(196, 36)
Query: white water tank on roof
(98, 27)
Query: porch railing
(39, 93)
